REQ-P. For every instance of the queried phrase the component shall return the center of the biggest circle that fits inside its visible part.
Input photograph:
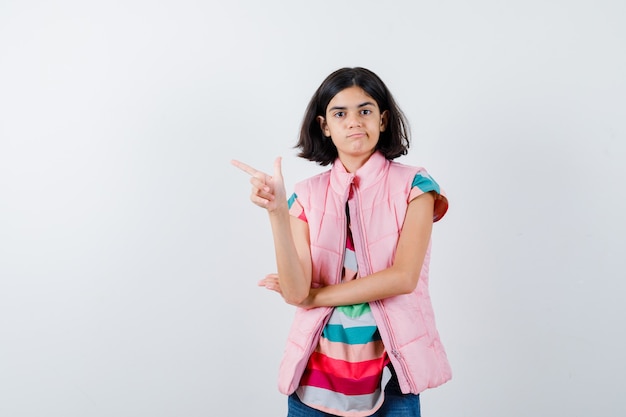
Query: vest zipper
(314, 340)
(394, 351)
(357, 222)
(344, 234)
(312, 344)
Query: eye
(366, 111)
(339, 114)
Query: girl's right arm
(293, 256)
(291, 235)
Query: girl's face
(354, 122)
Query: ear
(384, 118)
(323, 125)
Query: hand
(268, 191)
(271, 282)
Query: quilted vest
(406, 322)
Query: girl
(352, 248)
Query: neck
(353, 163)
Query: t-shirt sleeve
(295, 208)
(424, 183)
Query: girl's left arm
(401, 277)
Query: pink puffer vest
(406, 322)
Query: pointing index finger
(244, 167)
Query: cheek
(331, 130)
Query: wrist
(281, 212)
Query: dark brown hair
(314, 146)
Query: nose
(353, 120)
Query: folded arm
(400, 278)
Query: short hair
(314, 146)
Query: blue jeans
(395, 405)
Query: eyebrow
(367, 103)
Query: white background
(129, 252)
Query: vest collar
(366, 176)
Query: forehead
(353, 96)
